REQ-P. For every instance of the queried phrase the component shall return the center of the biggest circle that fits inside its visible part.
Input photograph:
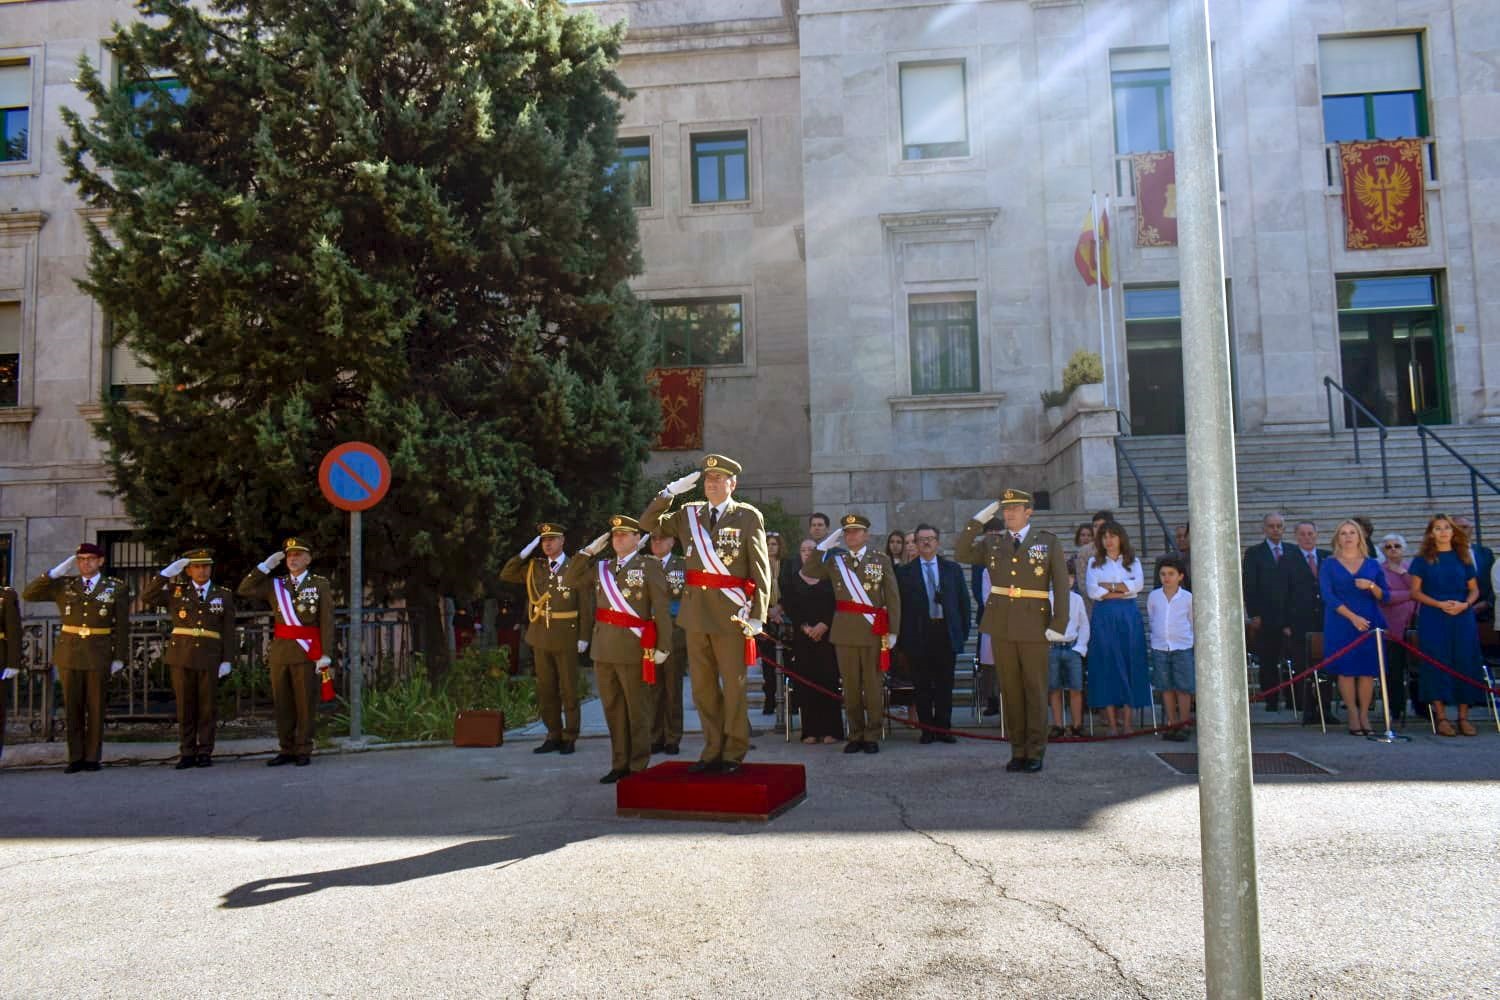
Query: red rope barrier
(1443, 666)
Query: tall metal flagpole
(1231, 912)
(1114, 341)
(1099, 288)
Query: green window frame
(721, 167)
(15, 111)
(635, 166)
(704, 332)
(1358, 115)
(169, 87)
(943, 331)
(1133, 91)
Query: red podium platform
(754, 792)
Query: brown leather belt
(196, 633)
(1018, 592)
(84, 631)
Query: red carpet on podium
(754, 792)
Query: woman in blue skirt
(1118, 675)
(1445, 587)
(1352, 584)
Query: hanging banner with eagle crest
(1385, 205)
(680, 391)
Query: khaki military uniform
(294, 680)
(1017, 614)
(10, 644)
(858, 647)
(667, 714)
(202, 637)
(715, 644)
(617, 651)
(560, 616)
(95, 633)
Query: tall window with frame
(634, 170)
(721, 167)
(709, 331)
(167, 87)
(15, 111)
(944, 335)
(10, 353)
(1373, 87)
(1153, 357)
(1141, 90)
(1391, 348)
(934, 112)
(128, 377)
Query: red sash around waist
(880, 628)
(719, 581)
(310, 633)
(609, 616)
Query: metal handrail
(1381, 429)
(1475, 476)
(1143, 499)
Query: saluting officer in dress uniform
(95, 642)
(861, 645)
(717, 624)
(557, 633)
(624, 663)
(666, 724)
(294, 671)
(1026, 567)
(199, 649)
(10, 646)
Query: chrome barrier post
(1385, 698)
(1489, 683)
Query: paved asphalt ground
(920, 872)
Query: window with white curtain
(934, 115)
(944, 331)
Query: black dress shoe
(204, 760)
(566, 747)
(926, 738)
(992, 707)
(303, 759)
(612, 777)
(92, 765)
(670, 749)
(1033, 765)
(548, 746)
(947, 738)
(658, 747)
(703, 767)
(183, 763)
(769, 708)
(74, 767)
(280, 759)
(871, 746)
(1016, 764)
(853, 746)
(729, 766)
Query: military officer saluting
(302, 604)
(10, 646)
(199, 648)
(1026, 568)
(867, 618)
(632, 635)
(728, 576)
(95, 642)
(667, 717)
(557, 634)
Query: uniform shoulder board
(761, 518)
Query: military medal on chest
(728, 542)
(675, 580)
(635, 583)
(873, 574)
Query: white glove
(271, 562)
(531, 547)
(642, 541)
(9, 673)
(116, 666)
(223, 670)
(684, 484)
(174, 568)
(890, 641)
(1055, 636)
(597, 545)
(984, 516)
(323, 661)
(68, 567)
(832, 540)
(583, 646)
(661, 656)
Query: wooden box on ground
(479, 728)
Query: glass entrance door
(1391, 348)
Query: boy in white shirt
(1172, 669)
(1065, 663)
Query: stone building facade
(860, 217)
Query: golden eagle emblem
(1383, 191)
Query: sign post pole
(356, 620)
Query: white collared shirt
(719, 510)
(297, 580)
(1024, 532)
(1113, 571)
(556, 565)
(90, 582)
(857, 556)
(1171, 619)
(1275, 547)
(622, 560)
(1078, 622)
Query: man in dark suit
(1484, 567)
(1265, 601)
(934, 626)
(1304, 611)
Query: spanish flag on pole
(1091, 256)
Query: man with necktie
(934, 626)
(199, 651)
(1265, 603)
(1304, 613)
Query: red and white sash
(621, 614)
(856, 590)
(308, 637)
(710, 556)
(616, 599)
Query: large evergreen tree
(357, 219)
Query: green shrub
(418, 709)
(1083, 368)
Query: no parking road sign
(354, 476)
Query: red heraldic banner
(1155, 176)
(1384, 202)
(680, 391)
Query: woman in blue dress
(1445, 587)
(1118, 676)
(1352, 584)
